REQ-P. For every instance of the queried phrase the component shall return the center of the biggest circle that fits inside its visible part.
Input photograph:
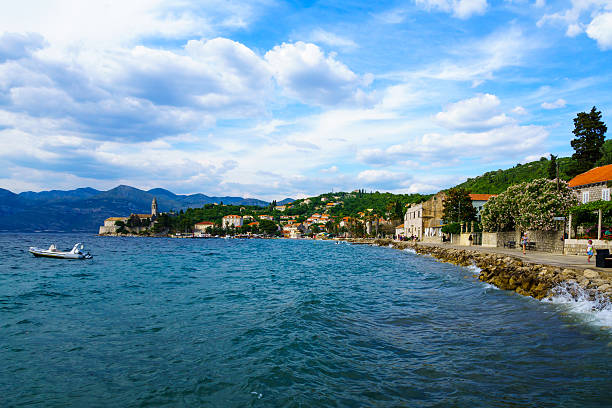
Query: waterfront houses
(425, 219)
(204, 226)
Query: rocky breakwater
(510, 273)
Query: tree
(606, 154)
(552, 167)
(458, 206)
(268, 227)
(590, 133)
(528, 206)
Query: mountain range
(85, 209)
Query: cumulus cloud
(307, 74)
(462, 9)
(437, 148)
(16, 45)
(477, 113)
(559, 103)
(600, 29)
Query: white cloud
(559, 103)
(478, 60)
(600, 29)
(477, 113)
(519, 110)
(307, 74)
(325, 37)
(114, 22)
(462, 9)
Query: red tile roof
(596, 175)
(205, 223)
(481, 197)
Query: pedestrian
(470, 238)
(590, 250)
(524, 241)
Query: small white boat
(53, 252)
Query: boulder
(590, 274)
(604, 287)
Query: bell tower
(154, 207)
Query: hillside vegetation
(494, 182)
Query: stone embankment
(511, 273)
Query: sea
(160, 322)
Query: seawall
(507, 272)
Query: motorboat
(53, 252)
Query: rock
(590, 274)
(604, 287)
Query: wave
(410, 251)
(593, 308)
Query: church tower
(154, 207)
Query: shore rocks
(511, 273)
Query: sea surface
(154, 322)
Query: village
(580, 215)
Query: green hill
(494, 182)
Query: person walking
(524, 241)
(589, 251)
(470, 238)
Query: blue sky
(273, 99)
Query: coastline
(540, 280)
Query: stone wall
(546, 241)
(578, 246)
(432, 240)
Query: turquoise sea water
(279, 323)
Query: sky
(273, 99)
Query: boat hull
(42, 253)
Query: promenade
(534, 257)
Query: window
(605, 194)
(585, 197)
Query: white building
(232, 220)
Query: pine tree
(590, 132)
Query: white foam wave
(410, 251)
(474, 269)
(592, 308)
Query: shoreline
(540, 280)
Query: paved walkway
(546, 258)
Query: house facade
(425, 219)
(478, 202)
(203, 226)
(593, 185)
(232, 221)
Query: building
(280, 208)
(399, 231)
(266, 217)
(478, 201)
(593, 185)
(232, 221)
(146, 222)
(294, 231)
(203, 226)
(425, 219)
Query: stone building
(109, 226)
(425, 219)
(593, 185)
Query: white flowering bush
(528, 206)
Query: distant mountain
(285, 201)
(85, 209)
